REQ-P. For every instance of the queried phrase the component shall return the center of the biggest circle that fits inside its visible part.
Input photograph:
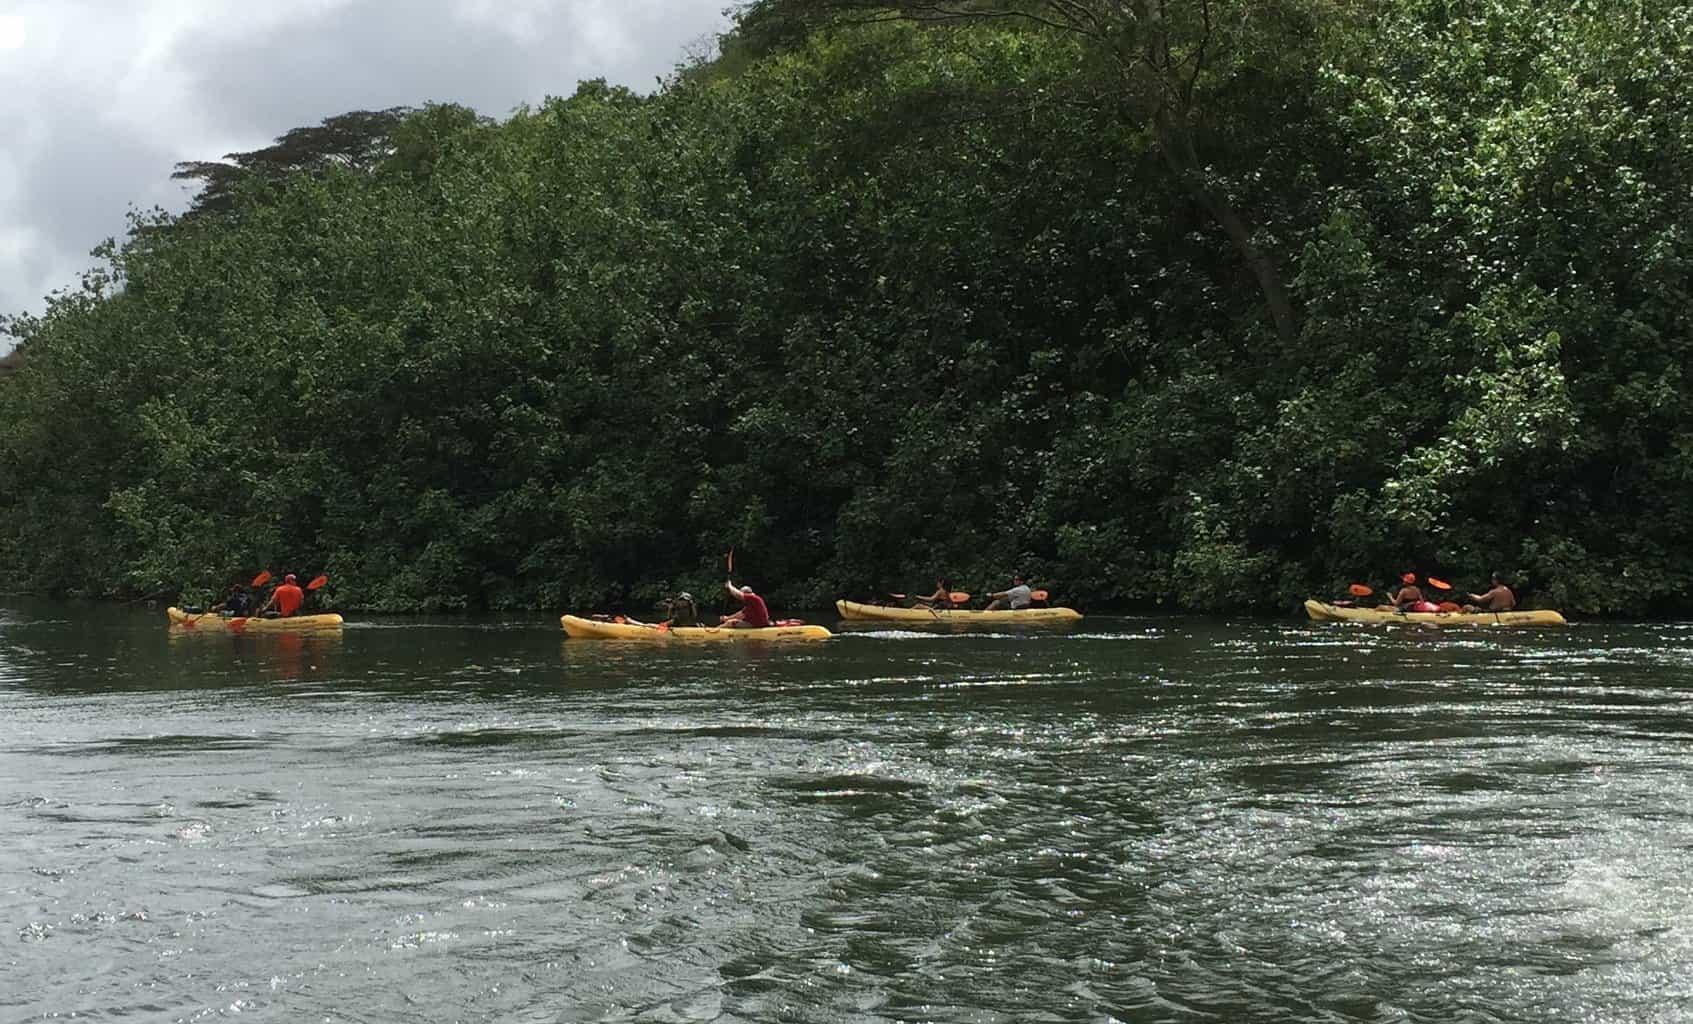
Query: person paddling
(1409, 594)
(1498, 598)
(941, 598)
(1017, 598)
(237, 604)
(681, 610)
(286, 598)
(753, 614)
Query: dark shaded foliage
(882, 302)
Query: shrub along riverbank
(1406, 285)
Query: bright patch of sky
(102, 98)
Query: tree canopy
(877, 299)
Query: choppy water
(1137, 820)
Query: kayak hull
(1320, 611)
(579, 628)
(211, 623)
(853, 611)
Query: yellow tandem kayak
(1323, 612)
(213, 623)
(593, 629)
(854, 611)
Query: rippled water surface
(1134, 820)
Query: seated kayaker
(237, 604)
(286, 598)
(753, 613)
(1409, 594)
(1497, 599)
(1017, 598)
(681, 610)
(941, 598)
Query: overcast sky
(100, 98)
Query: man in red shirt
(287, 598)
(753, 613)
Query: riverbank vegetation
(1214, 314)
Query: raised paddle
(1439, 584)
(316, 583)
(1359, 590)
(261, 579)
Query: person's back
(682, 611)
(1497, 599)
(1019, 597)
(1409, 593)
(753, 610)
(288, 598)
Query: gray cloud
(103, 98)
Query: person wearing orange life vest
(287, 598)
(754, 614)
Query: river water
(1138, 819)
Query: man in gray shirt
(1018, 597)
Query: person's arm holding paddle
(753, 614)
(1498, 598)
(941, 596)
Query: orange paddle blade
(1439, 584)
(664, 627)
(1359, 590)
(958, 597)
(261, 579)
(320, 581)
(1449, 606)
(1039, 595)
(618, 619)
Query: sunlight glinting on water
(1137, 820)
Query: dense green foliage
(878, 301)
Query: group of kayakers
(682, 610)
(285, 599)
(1016, 597)
(1410, 597)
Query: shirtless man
(1497, 599)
